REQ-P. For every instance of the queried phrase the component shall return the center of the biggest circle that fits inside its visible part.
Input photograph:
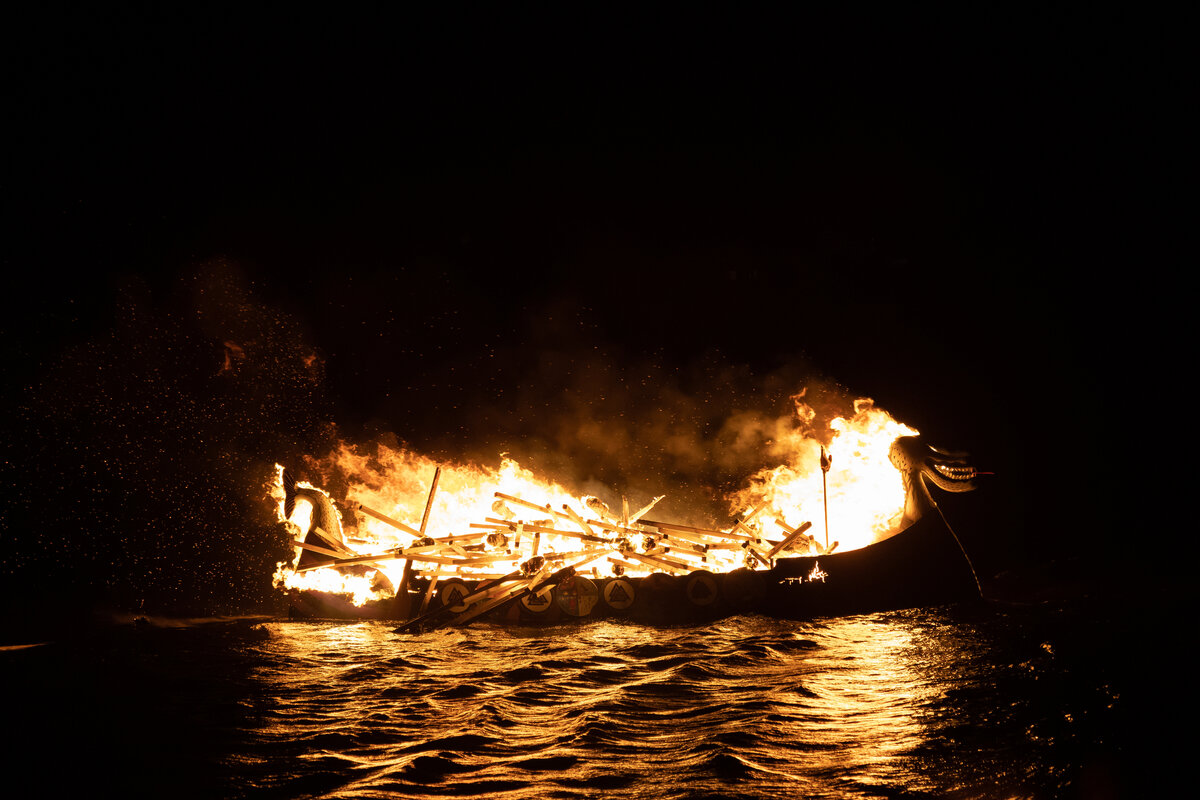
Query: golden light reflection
(865, 692)
(789, 705)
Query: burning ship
(539, 555)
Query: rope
(978, 586)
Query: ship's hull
(919, 566)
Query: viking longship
(631, 567)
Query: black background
(469, 231)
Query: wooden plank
(485, 606)
(690, 556)
(691, 538)
(437, 473)
(757, 555)
(683, 545)
(578, 520)
(645, 510)
(662, 554)
(546, 508)
(728, 546)
(509, 526)
(336, 542)
(406, 575)
(670, 526)
(471, 576)
(379, 515)
(491, 558)
(433, 582)
(792, 537)
(534, 583)
(460, 538)
(671, 566)
(580, 556)
(620, 562)
(615, 528)
(432, 559)
(325, 551)
(740, 524)
(413, 623)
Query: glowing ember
(486, 522)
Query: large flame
(475, 505)
(865, 493)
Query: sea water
(977, 700)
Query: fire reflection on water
(868, 693)
(836, 708)
(1000, 700)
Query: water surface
(988, 700)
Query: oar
(412, 623)
(484, 606)
(534, 586)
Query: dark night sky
(473, 222)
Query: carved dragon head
(918, 462)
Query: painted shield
(577, 596)
(539, 602)
(451, 593)
(619, 594)
(701, 588)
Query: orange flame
(865, 504)
(865, 492)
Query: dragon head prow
(918, 462)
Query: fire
(865, 493)
(488, 521)
(358, 587)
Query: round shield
(451, 593)
(537, 602)
(700, 587)
(619, 594)
(577, 596)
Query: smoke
(145, 448)
(603, 422)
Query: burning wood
(495, 524)
(518, 501)
(697, 543)
(742, 525)
(325, 551)
(631, 545)
(726, 535)
(578, 520)
(379, 515)
(753, 555)
(471, 547)
(792, 537)
(644, 510)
